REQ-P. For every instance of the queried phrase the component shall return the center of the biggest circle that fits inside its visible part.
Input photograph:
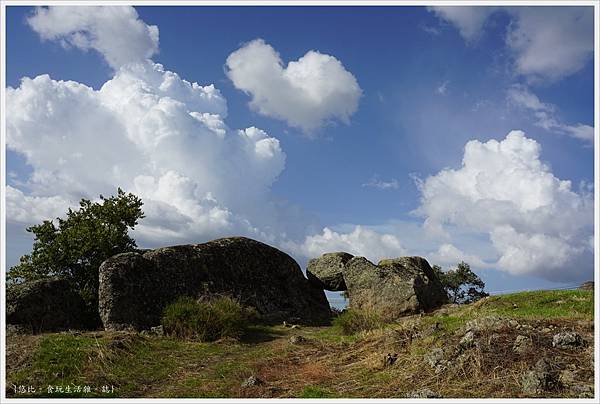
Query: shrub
(208, 319)
(354, 320)
(462, 285)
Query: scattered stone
(489, 323)
(434, 357)
(543, 377)
(295, 326)
(513, 323)
(158, 330)
(390, 359)
(522, 344)
(567, 377)
(252, 381)
(567, 340)
(582, 390)
(135, 287)
(297, 339)
(46, 305)
(423, 393)
(468, 340)
(493, 339)
(546, 330)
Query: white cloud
(442, 88)
(306, 94)
(551, 42)
(546, 43)
(469, 20)
(536, 222)
(27, 209)
(361, 241)
(154, 134)
(449, 255)
(116, 32)
(545, 114)
(375, 182)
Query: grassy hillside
(324, 362)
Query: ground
(324, 362)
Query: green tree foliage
(76, 247)
(461, 284)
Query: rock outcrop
(45, 305)
(326, 271)
(135, 287)
(393, 287)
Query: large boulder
(45, 305)
(393, 287)
(326, 271)
(136, 287)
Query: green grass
(543, 304)
(140, 366)
(60, 361)
(209, 320)
(316, 392)
(353, 321)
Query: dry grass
(327, 364)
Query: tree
(76, 247)
(461, 284)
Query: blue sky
(363, 154)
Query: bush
(208, 319)
(354, 320)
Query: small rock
(158, 330)
(543, 377)
(468, 340)
(513, 323)
(390, 359)
(434, 357)
(582, 390)
(546, 330)
(295, 326)
(297, 339)
(423, 393)
(567, 340)
(252, 381)
(567, 377)
(522, 343)
(490, 323)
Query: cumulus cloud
(152, 133)
(468, 20)
(545, 114)
(567, 31)
(361, 241)
(116, 32)
(537, 223)
(306, 93)
(450, 255)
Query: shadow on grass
(257, 334)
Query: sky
(447, 132)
